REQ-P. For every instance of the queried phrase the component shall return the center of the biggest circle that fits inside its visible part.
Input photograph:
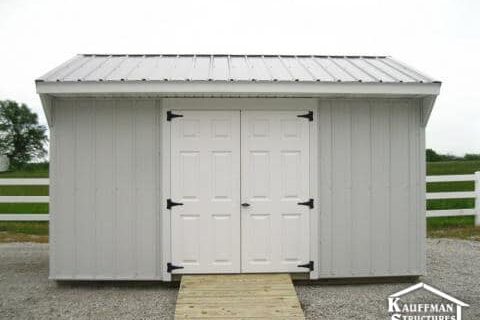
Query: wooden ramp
(239, 296)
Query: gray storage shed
(181, 164)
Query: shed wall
(104, 204)
(372, 208)
(106, 197)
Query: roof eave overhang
(426, 91)
(195, 88)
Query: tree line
(433, 156)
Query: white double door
(239, 177)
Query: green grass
(453, 167)
(33, 170)
(450, 186)
(24, 190)
(449, 222)
(35, 228)
(23, 207)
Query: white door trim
(241, 104)
(165, 187)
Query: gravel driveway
(26, 293)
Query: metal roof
(234, 68)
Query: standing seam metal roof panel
(240, 68)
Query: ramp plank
(244, 296)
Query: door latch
(171, 115)
(171, 204)
(308, 116)
(171, 267)
(308, 265)
(308, 203)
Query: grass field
(457, 227)
(34, 170)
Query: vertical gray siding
(62, 232)
(371, 210)
(85, 193)
(105, 190)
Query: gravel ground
(452, 266)
(26, 293)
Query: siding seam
(370, 187)
(94, 189)
(350, 188)
(410, 188)
(389, 121)
(332, 204)
(91, 189)
(115, 190)
(320, 248)
(135, 187)
(75, 185)
(414, 181)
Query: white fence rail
(430, 213)
(24, 182)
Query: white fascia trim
(47, 103)
(427, 107)
(184, 88)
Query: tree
(432, 156)
(22, 139)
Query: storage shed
(184, 164)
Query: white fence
(24, 199)
(456, 195)
(430, 213)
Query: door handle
(246, 205)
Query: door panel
(205, 177)
(275, 177)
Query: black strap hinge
(171, 267)
(171, 204)
(171, 115)
(307, 265)
(308, 116)
(308, 203)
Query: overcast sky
(441, 38)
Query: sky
(440, 38)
